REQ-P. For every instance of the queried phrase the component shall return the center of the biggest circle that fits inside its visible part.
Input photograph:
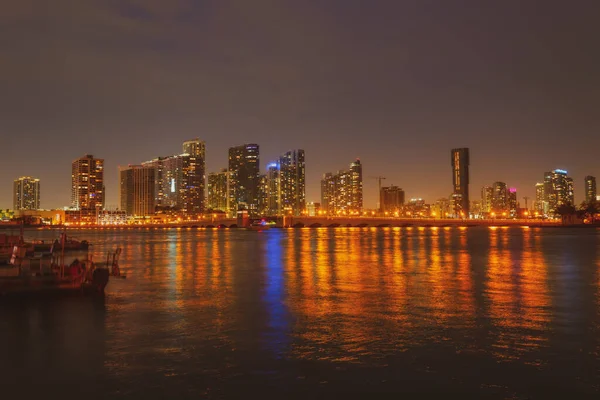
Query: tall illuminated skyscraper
(137, 190)
(180, 181)
(26, 193)
(87, 183)
(342, 193)
(194, 178)
(244, 171)
(499, 198)
(217, 190)
(513, 203)
(272, 190)
(292, 172)
(541, 205)
(487, 194)
(328, 203)
(356, 187)
(460, 181)
(558, 189)
(590, 189)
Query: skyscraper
(87, 183)
(328, 204)
(137, 190)
(487, 193)
(293, 182)
(179, 181)
(160, 186)
(194, 167)
(272, 190)
(392, 199)
(513, 203)
(342, 193)
(26, 193)
(244, 170)
(356, 187)
(460, 181)
(499, 198)
(558, 189)
(217, 190)
(590, 189)
(541, 205)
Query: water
(315, 313)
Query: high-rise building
(499, 198)
(590, 189)
(342, 193)
(179, 181)
(137, 190)
(541, 205)
(194, 178)
(244, 170)
(328, 203)
(292, 173)
(558, 189)
(392, 199)
(217, 190)
(87, 183)
(513, 203)
(26, 193)
(356, 187)
(272, 190)
(460, 181)
(160, 186)
(487, 194)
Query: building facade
(272, 190)
(460, 181)
(160, 185)
(244, 171)
(137, 190)
(500, 198)
(590, 189)
(558, 189)
(541, 205)
(487, 193)
(513, 203)
(392, 199)
(217, 190)
(292, 174)
(328, 204)
(87, 183)
(26, 193)
(180, 180)
(194, 177)
(342, 193)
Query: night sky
(396, 83)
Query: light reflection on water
(492, 311)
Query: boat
(47, 272)
(70, 244)
(259, 225)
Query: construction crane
(379, 179)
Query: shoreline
(332, 226)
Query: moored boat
(36, 273)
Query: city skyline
(416, 81)
(474, 191)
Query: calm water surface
(310, 313)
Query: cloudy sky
(396, 83)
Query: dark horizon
(397, 85)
